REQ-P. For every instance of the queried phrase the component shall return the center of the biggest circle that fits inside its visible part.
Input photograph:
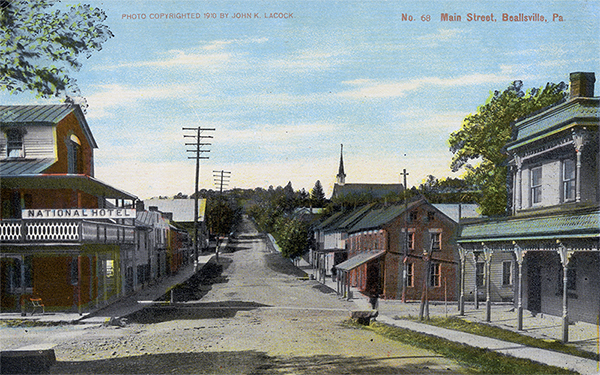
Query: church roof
(371, 190)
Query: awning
(359, 260)
(567, 225)
(80, 182)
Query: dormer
(48, 139)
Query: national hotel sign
(79, 213)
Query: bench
(37, 304)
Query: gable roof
(373, 190)
(182, 209)
(44, 115)
(467, 210)
(352, 217)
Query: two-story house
(63, 233)
(399, 251)
(554, 230)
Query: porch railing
(83, 231)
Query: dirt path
(257, 316)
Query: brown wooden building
(63, 233)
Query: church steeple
(341, 176)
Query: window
(413, 216)
(435, 275)
(14, 144)
(430, 216)
(410, 275)
(571, 279)
(18, 272)
(74, 271)
(568, 182)
(479, 273)
(536, 185)
(410, 240)
(436, 241)
(74, 154)
(507, 277)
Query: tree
(317, 196)
(484, 135)
(40, 45)
(292, 237)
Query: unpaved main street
(256, 317)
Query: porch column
(91, 289)
(23, 287)
(565, 257)
(519, 162)
(519, 256)
(580, 138)
(462, 253)
(79, 282)
(475, 259)
(487, 253)
(98, 268)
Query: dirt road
(256, 315)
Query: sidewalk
(545, 327)
(122, 307)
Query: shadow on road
(278, 263)
(243, 362)
(197, 286)
(189, 311)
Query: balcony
(69, 231)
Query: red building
(380, 252)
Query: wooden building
(63, 233)
(553, 233)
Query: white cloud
(442, 35)
(115, 95)
(372, 89)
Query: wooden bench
(37, 304)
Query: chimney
(582, 85)
(139, 206)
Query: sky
(284, 92)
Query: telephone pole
(221, 178)
(406, 244)
(197, 151)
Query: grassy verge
(482, 361)
(506, 335)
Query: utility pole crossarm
(198, 144)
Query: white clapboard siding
(39, 142)
(499, 292)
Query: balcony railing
(77, 231)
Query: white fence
(65, 231)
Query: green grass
(476, 360)
(486, 330)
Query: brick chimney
(582, 85)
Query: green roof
(566, 225)
(578, 111)
(45, 115)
